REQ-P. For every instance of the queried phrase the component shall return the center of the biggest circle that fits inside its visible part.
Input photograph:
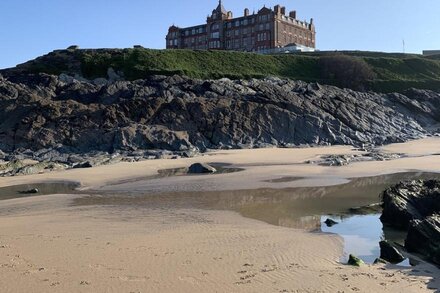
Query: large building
(257, 32)
(431, 52)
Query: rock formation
(39, 111)
(415, 206)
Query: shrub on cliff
(346, 71)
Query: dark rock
(31, 191)
(40, 111)
(424, 237)
(87, 164)
(414, 206)
(390, 253)
(199, 168)
(330, 223)
(355, 261)
(409, 201)
(380, 261)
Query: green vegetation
(138, 63)
(355, 261)
(391, 72)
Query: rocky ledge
(415, 207)
(48, 118)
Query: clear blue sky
(30, 28)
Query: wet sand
(52, 244)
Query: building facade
(256, 32)
(431, 52)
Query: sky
(31, 28)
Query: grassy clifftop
(393, 72)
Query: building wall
(260, 31)
(431, 52)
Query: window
(268, 26)
(215, 26)
(229, 25)
(193, 31)
(215, 35)
(245, 22)
(236, 43)
(237, 23)
(186, 33)
(236, 32)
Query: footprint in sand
(133, 278)
(190, 279)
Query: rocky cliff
(39, 111)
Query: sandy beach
(50, 244)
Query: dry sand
(49, 245)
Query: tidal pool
(302, 208)
(18, 191)
(362, 234)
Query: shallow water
(19, 191)
(362, 234)
(304, 208)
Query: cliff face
(177, 113)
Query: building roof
(220, 8)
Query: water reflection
(362, 234)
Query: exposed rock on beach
(415, 207)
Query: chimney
(246, 12)
(292, 14)
(277, 9)
(283, 10)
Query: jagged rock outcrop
(415, 206)
(39, 111)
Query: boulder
(199, 168)
(355, 261)
(389, 253)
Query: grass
(394, 72)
